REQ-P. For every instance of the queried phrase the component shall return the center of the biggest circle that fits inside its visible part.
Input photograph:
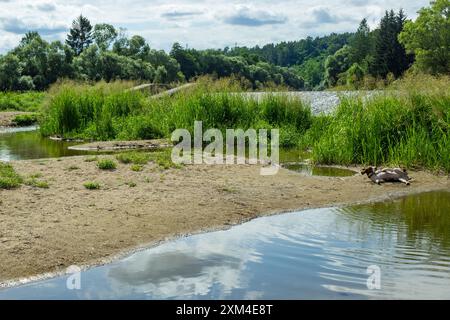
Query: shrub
(133, 157)
(9, 179)
(33, 182)
(106, 164)
(136, 167)
(25, 119)
(91, 185)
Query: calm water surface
(27, 143)
(312, 254)
(310, 170)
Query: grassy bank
(21, 101)
(408, 126)
(107, 112)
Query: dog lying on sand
(387, 175)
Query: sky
(197, 24)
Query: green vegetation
(33, 182)
(411, 129)
(91, 185)
(36, 175)
(106, 164)
(21, 101)
(364, 59)
(408, 125)
(105, 53)
(92, 109)
(104, 112)
(131, 184)
(138, 158)
(25, 119)
(9, 179)
(137, 167)
(91, 159)
(432, 52)
(163, 159)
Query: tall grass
(89, 111)
(101, 113)
(407, 125)
(411, 129)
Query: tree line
(103, 52)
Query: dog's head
(368, 170)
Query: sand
(46, 230)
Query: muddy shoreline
(122, 145)
(48, 230)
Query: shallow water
(26, 143)
(297, 160)
(311, 170)
(312, 254)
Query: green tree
(429, 37)
(160, 75)
(138, 47)
(43, 62)
(9, 72)
(80, 35)
(337, 64)
(361, 44)
(121, 45)
(104, 35)
(312, 70)
(87, 65)
(188, 64)
(355, 76)
(390, 55)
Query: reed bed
(408, 125)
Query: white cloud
(252, 17)
(200, 24)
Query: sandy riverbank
(46, 230)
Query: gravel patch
(320, 101)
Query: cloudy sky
(199, 24)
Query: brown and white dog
(386, 175)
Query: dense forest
(361, 59)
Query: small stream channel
(24, 143)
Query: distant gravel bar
(320, 101)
